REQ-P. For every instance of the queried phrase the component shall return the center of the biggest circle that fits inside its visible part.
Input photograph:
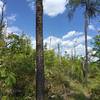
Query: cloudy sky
(57, 27)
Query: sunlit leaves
(97, 47)
(11, 79)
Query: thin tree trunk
(59, 54)
(39, 51)
(86, 48)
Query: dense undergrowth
(63, 74)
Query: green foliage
(63, 75)
(95, 93)
(17, 62)
(10, 79)
(4, 98)
(97, 47)
(92, 7)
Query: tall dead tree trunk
(86, 47)
(39, 51)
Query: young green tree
(96, 47)
(2, 24)
(92, 8)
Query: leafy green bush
(95, 93)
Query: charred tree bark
(86, 48)
(39, 51)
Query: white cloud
(51, 7)
(68, 45)
(79, 50)
(81, 39)
(76, 44)
(54, 7)
(33, 42)
(12, 17)
(91, 27)
(72, 34)
(31, 4)
(1, 5)
(52, 42)
(13, 29)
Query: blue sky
(57, 25)
(21, 17)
